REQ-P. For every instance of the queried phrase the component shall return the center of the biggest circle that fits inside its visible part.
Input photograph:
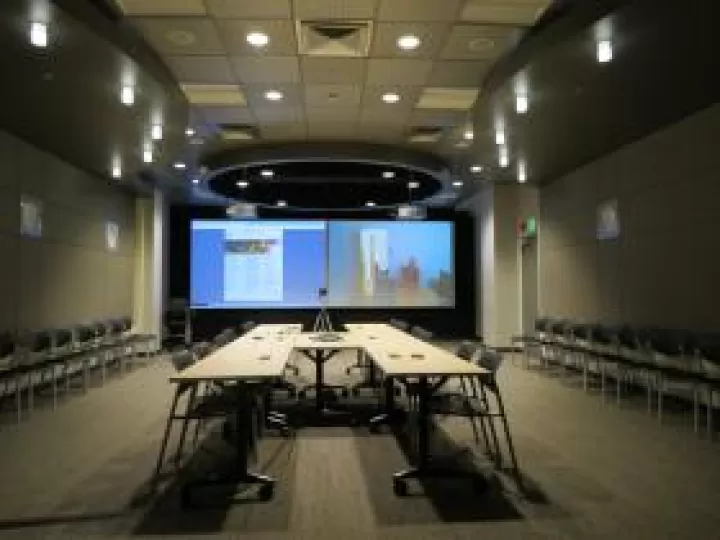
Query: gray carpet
(594, 470)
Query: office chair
(10, 371)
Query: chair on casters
(10, 370)
(707, 351)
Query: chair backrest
(63, 338)
(115, 327)
(421, 333)
(489, 359)
(126, 323)
(84, 334)
(182, 359)
(400, 324)
(605, 335)
(558, 327)
(466, 349)
(224, 337)
(541, 324)
(667, 342)
(7, 344)
(580, 331)
(708, 347)
(628, 337)
(247, 326)
(38, 341)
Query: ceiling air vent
(238, 132)
(347, 39)
(425, 134)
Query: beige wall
(664, 269)
(68, 276)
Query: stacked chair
(654, 359)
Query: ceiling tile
(439, 118)
(335, 9)
(162, 7)
(287, 131)
(266, 69)
(432, 38)
(214, 94)
(333, 70)
(520, 12)
(332, 114)
(332, 96)
(201, 69)
(458, 73)
(419, 10)
(458, 99)
(181, 35)
(292, 95)
(406, 71)
(280, 114)
(259, 9)
(331, 130)
(479, 42)
(226, 115)
(380, 132)
(281, 33)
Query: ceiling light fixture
(388, 174)
(468, 135)
(500, 138)
(413, 184)
(242, 184)
(391, 97)
(282, 204)
(179, 165)
(196, 181)
(116, 169)
(39, 34)
(189, 131)
(274, 95)
(604, 51)
(370, 204)
(475, 169)
(457, 183)
(257, 39)
(156, 131)
(148, 155)
(504, 157)
(127, 95)
(408, 42)
(267, 173)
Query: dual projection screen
(284, 264)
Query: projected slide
(246, 264)
(390, 264)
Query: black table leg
(423, 468)
(319, 380)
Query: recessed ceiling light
(457, 183)
(156, 132)
(500, 137)
(468, 135)
(413, 185)
(242, 184)
(388, 174)
(116, 169)
(196, 181)
(391, 97)
(189, 131)
(147, 155)
(274, 95)
(257, 39)
(179, 165)
(604, 51)
(282, 204)
(370, 203)
(504, 156)
(476, 169)
(267, 173)
(521, 103)
(408, 42)
(39, 34)
(127, 95)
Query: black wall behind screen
(457, 322)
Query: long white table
(261, 355)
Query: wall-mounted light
(503, 156)
(39, 34)
(127, 95)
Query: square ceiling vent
(344, 39)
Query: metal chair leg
(508, 439)
(163, 446)
(186, 421)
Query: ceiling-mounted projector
(242, 211)
(411, 211)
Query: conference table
(261, 355)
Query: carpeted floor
(593, 470)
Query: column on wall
(149, 263)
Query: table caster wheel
(265, 493)
(400, 488)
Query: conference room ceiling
(332, 62)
